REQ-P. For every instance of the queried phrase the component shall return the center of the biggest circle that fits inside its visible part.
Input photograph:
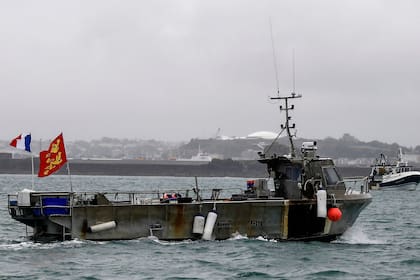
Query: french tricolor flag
(22, 142)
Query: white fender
(208, 228)
(102, 227)
(321, 197)
(198, 225)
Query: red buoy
(334, 214)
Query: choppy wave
(28, 245)
(382, 244)
(333, 274)
(167, 243)
(357, 235)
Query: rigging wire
(294, 71)
(274, 141)
(274, 59)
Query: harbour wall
(215, 168)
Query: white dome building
(268, 135)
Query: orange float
(334, 214)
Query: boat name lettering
(256, 223)
(224, 224)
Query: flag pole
(23, 142)
(68, 167)
(33, 178)
(68, 171)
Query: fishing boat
(400, 175)
(308, 201)
(200, 156)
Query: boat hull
(270, 218)
(405, 181)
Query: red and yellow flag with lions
(52, 159)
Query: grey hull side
(278, 219)
(273, 219)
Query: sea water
(384, 243)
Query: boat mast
(285, 98)
(286, 125)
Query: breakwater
(215, 168)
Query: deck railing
(356, 184)
(61, 203)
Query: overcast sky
(175, 70)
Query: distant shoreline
(215, 168)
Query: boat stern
(48, 214)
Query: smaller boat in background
(200, 156)
(400, 175)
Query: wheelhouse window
(293, 173)
(331, 176)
